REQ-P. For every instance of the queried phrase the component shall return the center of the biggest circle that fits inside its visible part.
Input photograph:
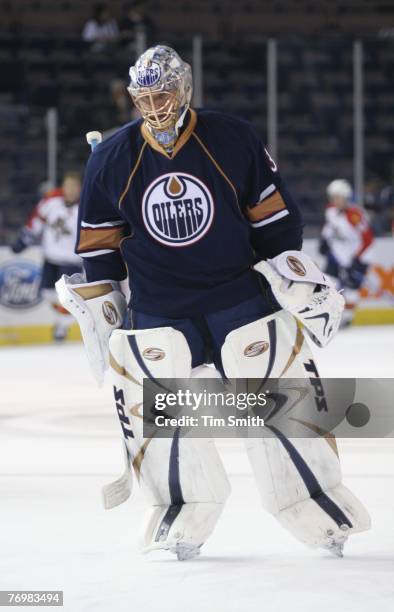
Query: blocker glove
(99, 308)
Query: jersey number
(271, 162)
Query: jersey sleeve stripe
(271, 219)
(96, 253)
(267, 191)
(262, 210)
(99, 238)
(105, 224)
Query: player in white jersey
(346, 242)
(53, 225)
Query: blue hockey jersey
(185, 227)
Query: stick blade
(117, 492)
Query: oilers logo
(148, 75)
(177, 209)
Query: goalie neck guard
(161, 89)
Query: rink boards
(25, 317)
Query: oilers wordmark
(148, 75)
(180, 217)
(177, 209)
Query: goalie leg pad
(299, 479)
(183, 478)
(187, 525)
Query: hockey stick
(117, 492)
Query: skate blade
(335, 549)
(335, 544)
(184, 551)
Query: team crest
(177, 209)
(256, 348)
(110, 313)
(153, 354)
(295, 265)
(148, 75)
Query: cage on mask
(161, 88)
(159, 108)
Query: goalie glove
(99, 308)
(303, 290)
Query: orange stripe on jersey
(100, 238)
(272, 204)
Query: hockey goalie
(189, 205)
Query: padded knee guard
(300, 478)
(183, 478)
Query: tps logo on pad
(177, 209)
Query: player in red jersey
(346, 241)
(53, 225)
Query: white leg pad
(299, 479)
(315, 528)
(302, 487)
(183, 478)
(189, 524)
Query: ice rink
(60, 442)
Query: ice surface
(60, 442)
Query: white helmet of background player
(339, 192)
(161, 89)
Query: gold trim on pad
(121, 370)
(139, 457)
(327, 435)
(89, 293)
(295, 350)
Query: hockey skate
(185, 551)
(336, 541)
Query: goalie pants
(206, 334)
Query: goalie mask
(161, 89)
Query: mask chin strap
(167, 138)
(181, 119)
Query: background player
(346, 242)
(53, 224)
